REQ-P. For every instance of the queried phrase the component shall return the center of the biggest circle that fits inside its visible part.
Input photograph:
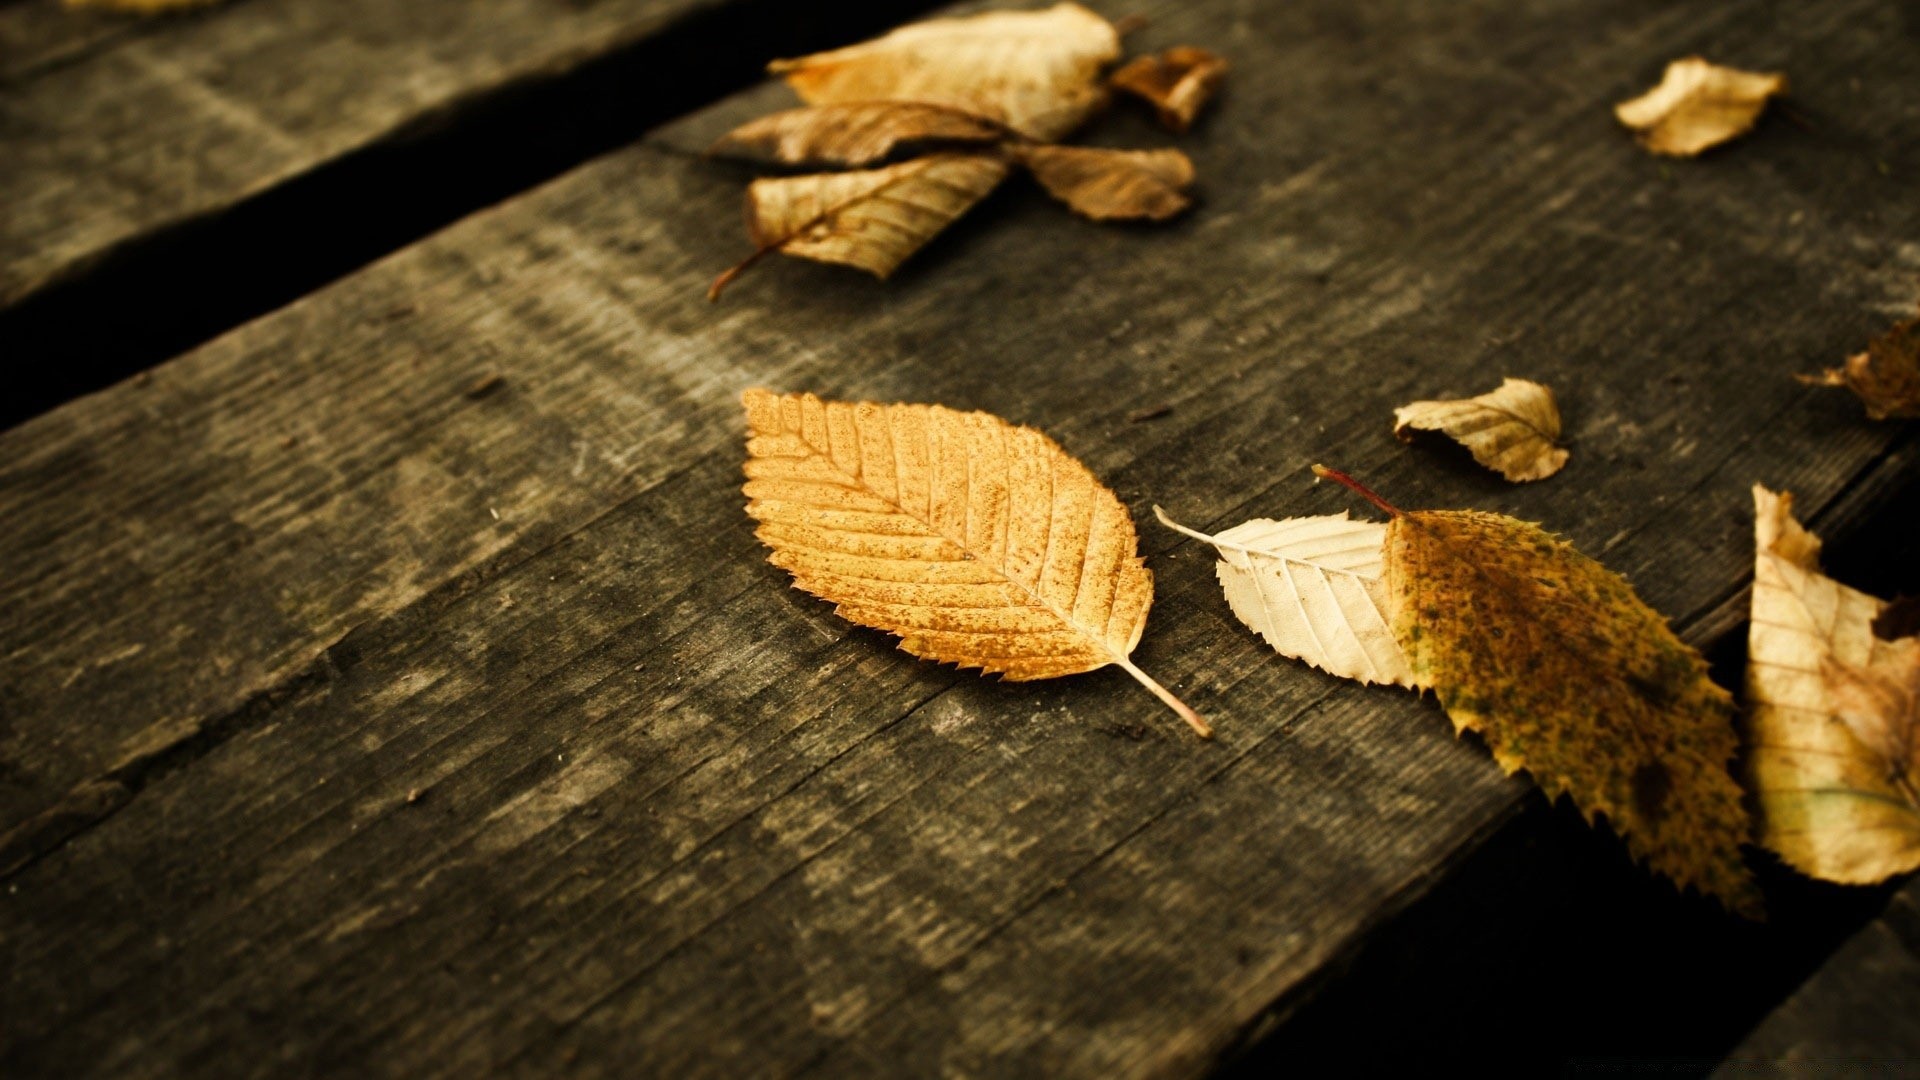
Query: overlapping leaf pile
(984, 94)
(1548, 655)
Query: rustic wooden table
(355, 722)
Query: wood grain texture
(1856, 1014)
(113, 127)
(310, 759)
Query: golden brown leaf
(859, 133)
(1511, 430)
(1036, 72)
(1313, 587)
(1113, 185)
(872, 219)
(1177, 83)
(1831, 761)
(1569, 675)
(1698, 105)
(1886, 378)
(979, 543)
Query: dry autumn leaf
(979, 543)
(859, 133)
(1698, 105)
(1113, 185)
(1511, 430)
(1886, 378)
(1314, 589)
(1831, 759)
(1035, 72)
(1003, 86)
(872, 219)
(1178, 83)
(1567, 674)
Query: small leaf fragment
(1113, 185)
(1178, 83)
(853, 134)
(1511, 430)
(1886, 378)
(977, 542)
(1313, 587)
(872, 219)
(1698, 105)
(1570, 676)
(1036, 72)
(1831, 716)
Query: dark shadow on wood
(169, 291)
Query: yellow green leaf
(1569, 675)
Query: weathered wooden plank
(665, 811)
(114, 129)
(1855, 1015)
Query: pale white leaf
(1313, 588)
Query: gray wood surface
(1858, 1015)
(113, 127)
(354, 721)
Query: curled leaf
(1511, 430)
(1313, 588)
(1036, 72)
(872, 219)
(1113, 185)
(1698, 105)
(979, 543)
(1178, 83)
(1567, 674)
(1886, 378)
(859, 133)
(1831, 714)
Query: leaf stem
(726, 277)
(1358, 488)
(1194, 720)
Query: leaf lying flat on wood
(1113, 185)
(1567, 674)
(1036, 72)
(872, 219)
(1886, 378)
(859, 133)
(1697, 106)
(1511, 430)
(1833, 771)
(1314, 588)
(979, 543)
(1178, 83)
